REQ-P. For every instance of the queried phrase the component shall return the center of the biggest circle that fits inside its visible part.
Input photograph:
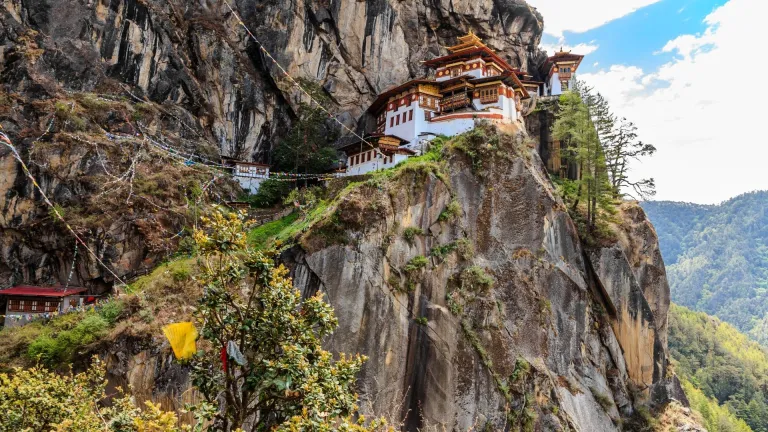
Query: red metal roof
(35, 291)
(438, 61)
(383, 97)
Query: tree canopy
(717, 258)
(721, 363)
(263, 364)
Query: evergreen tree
(581, 146)
(308, 147)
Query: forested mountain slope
(724, 364)
(717, 258)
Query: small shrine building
(249, 175)
(560, 70)
(23, 303)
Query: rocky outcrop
(215, 88)
(196, 56)
(446, 351)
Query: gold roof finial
(469, 40)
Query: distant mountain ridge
(717, 257)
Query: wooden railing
(489, 99)
(455, 101)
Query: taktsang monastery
(471, 83)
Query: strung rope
(71, 269)
(5, 140)
(287, 75)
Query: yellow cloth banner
(182, 337)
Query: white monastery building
(471, 83)
(250, 175)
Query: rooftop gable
(36, 291)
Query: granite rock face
(195, 54)
(219, 93)
(561, 326)
(561, 339)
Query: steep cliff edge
(528, 329)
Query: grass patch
(261, 235)
(54, 347)
(416, 263)
(602, 399)
(410, 233)
(475, 279)
(465, 248)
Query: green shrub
(416, 263)
(440, 252)
(452, 211)
(271, 192)
(410, 233)
(465, 248)
(112, 310)
(521, 371)
(475, 278)
(423, 321)
(52, 349)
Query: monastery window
(391, 121)
(489, 95)
(397, 117)
(410, 115)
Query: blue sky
(682, 71)
(638, 37)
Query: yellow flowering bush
(263, 365)
(37, 399)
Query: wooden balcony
(489, 99)
(454, 102)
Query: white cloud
(582, 48)
(583, 15)
(703, 110)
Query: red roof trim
(35, 291)
(435, 62)
(384, 96)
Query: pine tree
(308, 147)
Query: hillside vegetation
(719, 365)
(717, 258)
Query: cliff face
(489, 313)
(465, 282)
(214, 91)
(564, 338)
(194, 54)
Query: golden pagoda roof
(468, 41)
